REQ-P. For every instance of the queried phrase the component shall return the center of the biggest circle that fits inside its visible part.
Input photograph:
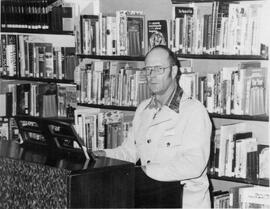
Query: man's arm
(126, 151)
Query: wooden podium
(30, 178)
(49, 174)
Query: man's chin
(155, 91)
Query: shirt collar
(172, 102)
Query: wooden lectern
(43, 175)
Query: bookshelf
(29, 31)
(31, 46)
(260, 182)
(45, 16)
(222, 57)
(44, 80)
(110, 57)
(263, 118)
(109, 107)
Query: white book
(226, 131)
(254, 197)
(3, 104)
(210, 92)
(189, 84)
(226, 77)
(109, 35)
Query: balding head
(162, 55)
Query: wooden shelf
(241, 117)
(47, 80)
(212, 115)
(32, 31)
(48, 2)
(261, 182)
(222, 57)
(188, 56)
(112, 57)
(124, 108)
(201, 1)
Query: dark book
(157, 31)
(182, 11)
(23, 99)
(56, 19)
(9, 105)
(252, 171)
(68, 62)
(31, 58)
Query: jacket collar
(173, 101)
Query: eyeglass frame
(153, 69)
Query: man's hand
(98, 153)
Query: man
(171, 132)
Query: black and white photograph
(134, 104)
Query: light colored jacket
(173, 145)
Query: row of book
(21, 57)
(246, 197)
(122, 34)
(236, 153)
(102, 129)
(218, 27)
(40, 99)
(111, 83)
(37, 15)
(240, 90)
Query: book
(254, 197)
(4, 130)
(221, 199)
(189, 84)
(262, 165)
(48, 60)
(242, 161)
(89, 34)
(234, 196)
(46, 100)
(157, 31)
(12, 54)
(135, 33)
(23, 99)
(226, 133)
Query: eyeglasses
(154, 70)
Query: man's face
(159, 84)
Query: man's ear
(174, 71)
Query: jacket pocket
(169, 141)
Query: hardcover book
(157, 31)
